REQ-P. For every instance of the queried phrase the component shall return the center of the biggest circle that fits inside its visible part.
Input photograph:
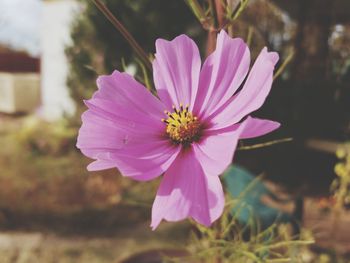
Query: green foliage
(43, 138)
(341, 185)
(43, 173)
(229, 241)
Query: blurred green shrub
(98, 48)
(41, 137)
(44, 181)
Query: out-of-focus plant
(43, 173)
(41, 137)
(97, 48)
(340, 50)
(341, 185)
(229, 241)
(215, 15)
(259, 22)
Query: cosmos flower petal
(215, 152)
(99, 133)
(146, 166)
(176, 71)
(117, 131)
(139, 156)
(253, 93)
(187, 191)
(122, 88)
(257, 127)
(103, 129)
(100, 165)
(216, 199)
(222, 73)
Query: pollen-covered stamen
(181, 126)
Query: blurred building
(28, 83)
(19, 81)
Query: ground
(39, 247)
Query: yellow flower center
(181, 126)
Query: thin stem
(261, 145)
(217, 9)
(220, 13)
(250, 35)
(284, 65)
(237, 12)
(212, 5)
(198, 12)
(119, 26)
(211, 42)
(285, 243)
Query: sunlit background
(51, 52)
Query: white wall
(19, 92)
(55, 36)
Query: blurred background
(51, 52)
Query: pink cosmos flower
(190, 133)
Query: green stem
(198, 12)
(284, 65)
(236, 13)
(250, 35)
(261, 145)
(285, 244)
(119, 26)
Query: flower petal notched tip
(154, 225)
(271, 56)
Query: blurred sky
(20, 24)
